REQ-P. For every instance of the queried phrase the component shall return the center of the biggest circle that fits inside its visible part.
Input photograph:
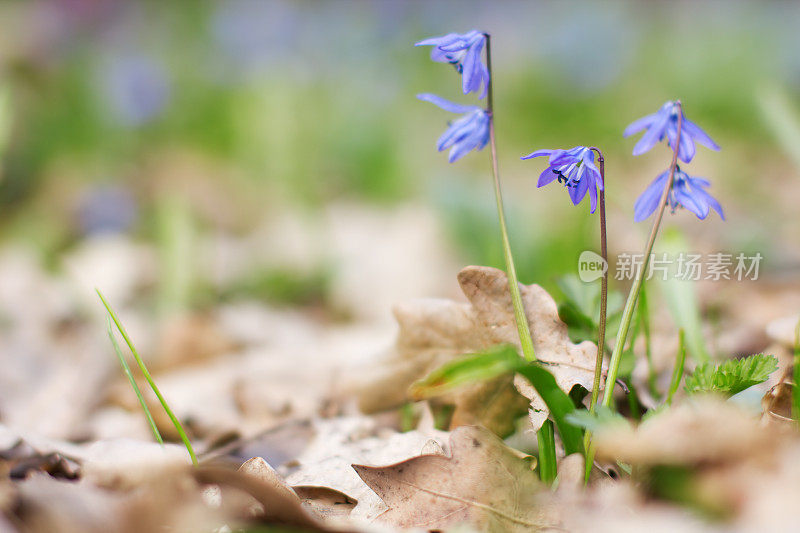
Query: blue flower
(470, 132)
(687, 191)
(463, 51)
(665, 122)
(575, 169)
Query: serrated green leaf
(731, 377)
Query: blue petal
(648, 200)
(438, 41)
(577, 193)
(468, 69)
(638, 125)
(593, 197)
(546, 177)
(708, 199)
(653, 134)
(690, 202)
(446, 104)
(698, 134)
(457, 130)
(537, 153)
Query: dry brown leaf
(279, 505)
(433, 332)
(705, 430)
(483, 483)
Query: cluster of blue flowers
(575, 168)
(686, 191)
(471, 131)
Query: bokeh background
(184, 155)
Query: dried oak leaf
(703, 431)
(483, 483)
(433, 332)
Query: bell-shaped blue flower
(687, 191)
(470, 132)
(463, 51)
(664, 123)
(575, 169)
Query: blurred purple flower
(470, 132)
(575, 169)
(687, 191)
(106, 209)
(665, 122)
(463, 51)
(138, 88)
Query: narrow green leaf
(731, 377)
(548, 467)
(677, 373)
(467, 369)
(149, 379)
(127, 370)
(557, 402)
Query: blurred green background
(167, 121)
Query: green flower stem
(149, 379)
(633, 295)
(547, 461)
(513, 284)
(601, 330)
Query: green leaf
(496, 362)
(558, 402)
(603, 416)
(148, 377)
(731, 377)
(467, 369)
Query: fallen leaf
(705, 430)
(433, 332)
(483, 483)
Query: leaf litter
(278, 441)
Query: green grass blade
(149, 379)
(677, 373)
(135, 387)
(548, 468)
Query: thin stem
(633, 295)
(149, 379)
(513, 284)
(601, 330)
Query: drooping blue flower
(470, 132)
(575, 169)
(687, 191)
(665, 123)
(463, 51)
